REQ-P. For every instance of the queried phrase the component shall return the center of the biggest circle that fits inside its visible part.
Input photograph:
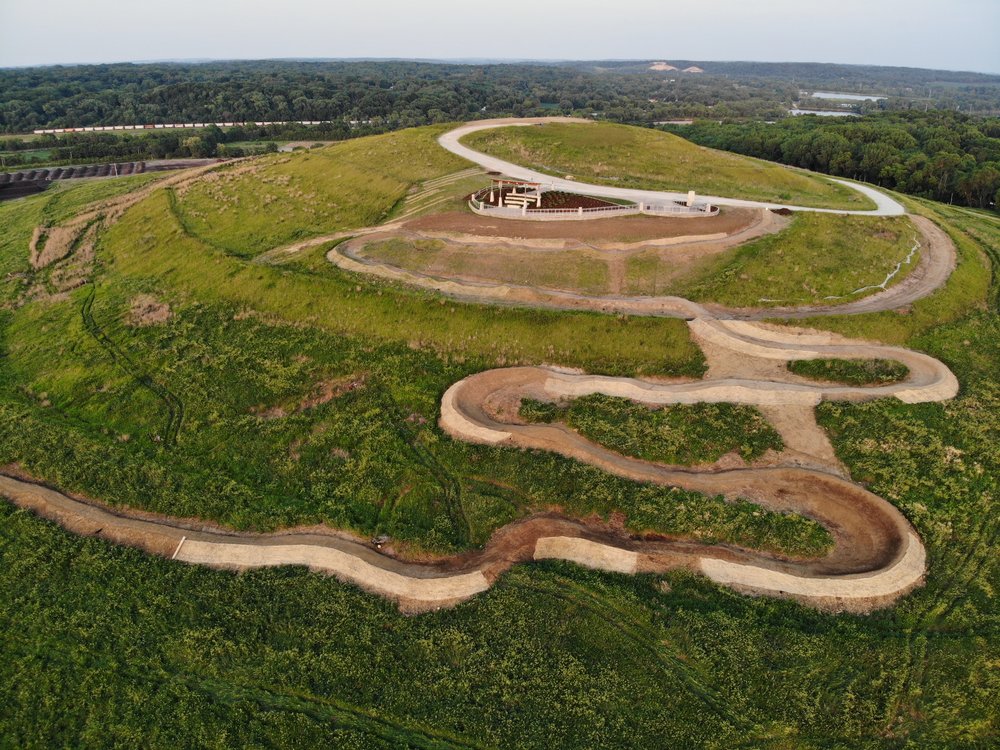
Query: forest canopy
(933, 134)
(940, 155)
(398, 94)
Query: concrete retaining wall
(571, 214)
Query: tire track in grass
(451, 486)
(643, 635)
(976, 556)
(173, 404)
(331, 710)
(177, 212)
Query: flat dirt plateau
(618, 229)
(594, 257)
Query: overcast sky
(950, 34)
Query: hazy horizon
(897, 33)
(472, 61)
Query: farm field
(198, 373)
(632, 157)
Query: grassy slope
(251, 206)
(819, 256)
(245, 338)
(150, 243)
(965, 291)
(633, 157)
(105, 646)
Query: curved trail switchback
(876, 555)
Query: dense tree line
(906, 87)
(390, 94)
(404, 94)
(76, 148)
(941, 155)
(911, 143)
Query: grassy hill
(253, 205)
(820, 259)
(273, 395)
(185, 377)
(633, 157)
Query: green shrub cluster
(851, 371)
(684, 434)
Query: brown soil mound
(617, 229)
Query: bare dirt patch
(617, 229)
(594, 267)
(327, 390)
(50, 244)
(146, 310)
(321, 393)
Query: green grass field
(30, 157)
(280, 395)
(969, 289)
(683, 434)
(820, 259)
(633, 157)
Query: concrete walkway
(450, 141)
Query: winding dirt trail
(876, 557)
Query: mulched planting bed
(558, 199)
(554, 199)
